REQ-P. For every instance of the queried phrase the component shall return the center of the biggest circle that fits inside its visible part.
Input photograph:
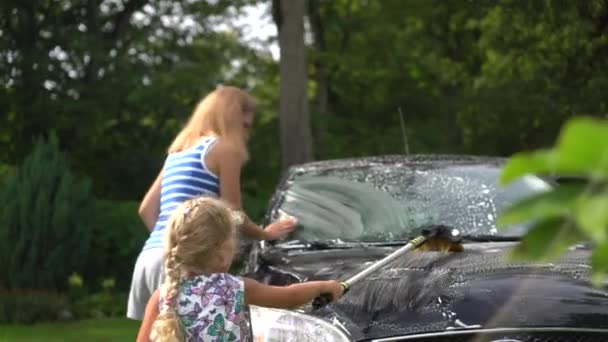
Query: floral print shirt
(211, 308)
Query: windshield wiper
(314, 245)
(490, 238)
(321, 245)
(325, 245)
(385, 243)
(466, 237)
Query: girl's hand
(335, 288)
(277, 230)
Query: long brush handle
(326, 298)
(413, 244)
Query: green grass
(88, 330)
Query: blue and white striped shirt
(185, 176)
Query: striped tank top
(185, 176)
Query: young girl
(199, 301)
(205, 158)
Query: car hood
(430, 291)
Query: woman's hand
(279, 229)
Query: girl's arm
(229, 163)
(150, 316)
(149, 209)
(288, 297)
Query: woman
(205, 158)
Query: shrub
(5, 171)
(255, 205)
(44, 221)
(104, 303)
(37, 306)
(31, 306)
(119, 235)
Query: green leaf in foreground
(599, 264)
(592, 216)
(556, 202)
(547, 240)
(582, 149)
(524, 163)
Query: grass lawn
(88, 330)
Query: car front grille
(509, 335)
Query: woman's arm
(150, 316)
(149, 209)
(228, 161)
(288, 297)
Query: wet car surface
(354, 212)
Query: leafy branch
(569, 213)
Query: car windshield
(380, 203)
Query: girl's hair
(219, 113)
(194, 231)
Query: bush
(31, 306)
(44, 221)
(37, 306)
(5, 171)
(255, 205)
(119, 235)
(105, 303)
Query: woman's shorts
(147, 277)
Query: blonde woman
(205, 158)
(199, 301)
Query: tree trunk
(294, 118)
(321, 79)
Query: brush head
(441, 238)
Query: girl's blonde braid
(166, 328)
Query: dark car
(353, 212)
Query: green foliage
(256, 205)
(538, 66)
(44, 221)
(102, 304)
(76, 289)
(36, 306)
(5, 171)
(106, 302)
(119, 235)
(581, 151)
(569, 213)
(103, 65)
(93, 330)
(31, 306)
(482, 77)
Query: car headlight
(274, 325)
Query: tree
(294, 118)
(44, 221)
(321, 100)
(114, 79)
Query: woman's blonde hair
(219, 113)
(194, 231)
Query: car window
(380, 203)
